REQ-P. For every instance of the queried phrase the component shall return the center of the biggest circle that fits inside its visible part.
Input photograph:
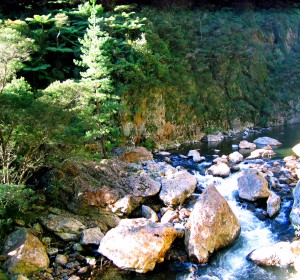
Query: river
(231, 263)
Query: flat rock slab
(266, 141)
(137, 244)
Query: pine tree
(103, 103)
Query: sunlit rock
(25, 253)
(244, 144)
(133, 154)
(261, 153)
(221, 170)
(252, 185)
(212, 225)
(169, 216)
(195, 155)
(91, 236)
(279, 254)
(176, 188)
(273, 204)
(149, 213)
(218, 137)
(137, 244)
(235, 157)
(296, 149)
(266, 141)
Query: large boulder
(133, 154)
(212, 225)
(296, 149)
(278, 254)
(295, 213)
(177, 187)
(252, 185)
(235, 157)
(261, 153)
(102, 187)
(263, 141)
(244, 144)
(273, 204)
(25, 253)
(219, 169)
(67, 228)
(137, 244)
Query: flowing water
(232, 263)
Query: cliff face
(226, 69)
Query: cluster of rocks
(131, 211)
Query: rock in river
(26, 253)
(252, 185)
(266, 141)
(137, 244)
(177, 187)
(295, 213)
(212, 226)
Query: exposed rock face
(177, 187)
(26, 253)
(137, 244)
(91, 236)
(266, 141)
(273, 204)
(134, 154)
(279, 254)
(295, 213)
(66, 228)
(212, 226)
(244, 144)
(235, 157)
(252, 185)
(220, 169)
(102, 187)
(195, 154)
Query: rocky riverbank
(135, 212)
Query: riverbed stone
(91, 236)
(25, 253)
(220, 169)
(149, 213)
(252, 185)
(261, 153)
(195, 155)
(244, 144)
(218, 137)
(295, 213)
(266, 141)
(273, 204)
(67, 228)
(212, 225)
(235, 157)
(279, 254)
(137, 244)
(177, 187)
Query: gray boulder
(266, 141)
(252, 185)
(195, 155)
(220, 169)
(91, 236)
(177, 187)
(137, 244)
(25, 253)
(273, 204)
(212, 225)
(235, 157)
(67, 228)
